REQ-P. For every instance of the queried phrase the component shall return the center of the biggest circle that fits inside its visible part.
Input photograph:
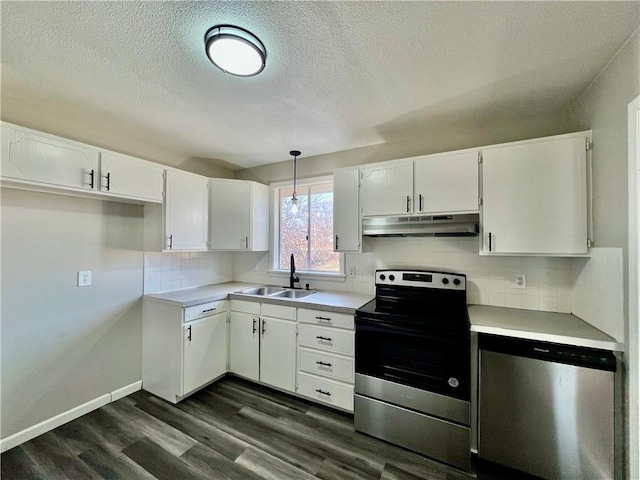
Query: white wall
(63, 345)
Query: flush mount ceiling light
(235, 50)
(294, 198)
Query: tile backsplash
(172, 270)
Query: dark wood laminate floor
(232, 430)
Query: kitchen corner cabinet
(387, 189)
(238, 215)
(186, 211)
(263, 343)
(346, 210)
(131, 177)
(183, 349)
(534, 197)
(36, 158)
(446, 183)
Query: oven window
(414, 359)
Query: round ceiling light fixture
(235, 50)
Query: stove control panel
(421, 278)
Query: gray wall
(443, 138)
(63, 345)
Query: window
(307, 233)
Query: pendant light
(294, 198)
(235, 50)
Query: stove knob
(382, 276)
(392, 278)
(456, 281)
(445, 280)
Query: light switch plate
(84, 278)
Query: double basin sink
(277, 292)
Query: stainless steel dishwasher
(546, 409)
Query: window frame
(274, 251)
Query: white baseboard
(64, 417)
(126, 390)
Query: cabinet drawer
(278, 311)
(328, 339)
(245, 307)
(205, 310)
(320, 317)
(326, 364)
(326, 391)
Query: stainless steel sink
(263, 291)
(294, 293)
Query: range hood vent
(464, 225)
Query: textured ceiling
(339, 75)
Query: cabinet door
(130, 177)
(48, 160)
(534, 197)
(446, 183)
(205, 351)
(278, 353)
(387, 189)
(230, 214)
(186, 211)
(346, 210)
(244, 345)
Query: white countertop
(553, 327)
(341, 302)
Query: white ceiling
(339, 75)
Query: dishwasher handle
(550, 352)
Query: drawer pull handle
(210, 310)
(326, 339)
(323, 392)
(323, 364)
(324, 319)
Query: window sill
(329, 276)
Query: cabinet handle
(326, 339)
(323, 319)
(420, 199)
(209, 310)
(92, 174)
(489, 241)
(171, 241)
(323, 392)
(263, 324)
(108, 177)
(254, 325)
(246, 243)
(408, 202)
(336, 242)
(189, 336)
(323, 364)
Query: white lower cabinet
(263, 346)
(326, 364)
(183, 349)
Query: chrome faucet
(293, 279)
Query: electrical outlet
(255, 267)
(84, 278)
(520, 281)
(351, 272)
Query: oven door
(436, 361)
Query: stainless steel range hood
(463, 225)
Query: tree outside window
(308, 233)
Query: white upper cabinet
(534, 197)
(238, 215)
(185, 211)
(130, 177)
(387, 189)
(34, 157)
(446, 183)
(346, 210)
